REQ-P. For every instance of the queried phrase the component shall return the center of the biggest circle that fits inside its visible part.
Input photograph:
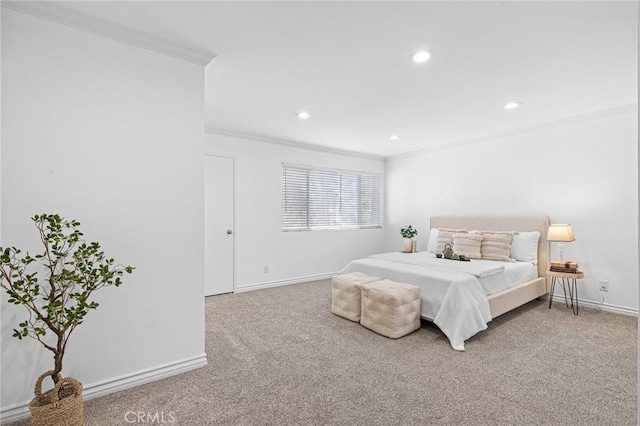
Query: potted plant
(57, 304)
(408, 232)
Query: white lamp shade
(560, 233)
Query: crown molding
(294, 144)
(582, 118)
(56, 12)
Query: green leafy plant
(59, 303)
(408, 232)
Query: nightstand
(569, 280)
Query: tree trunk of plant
(57, 357)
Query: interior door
(218, 225)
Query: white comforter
(479, 269)
(452, 296)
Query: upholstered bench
(390, 308)
(346, 295)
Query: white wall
(291, 256)
(0, 148)
(110, 135)
(582, 171)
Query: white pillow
(432, 244)
(524, 247)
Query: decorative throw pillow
(512, 233)
(432, 244)
(445, 236)
(496, 247)
(468, 244)
(524, 247)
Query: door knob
(229, 232)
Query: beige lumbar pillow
(496, 247)
(468, 245)
(445, 236)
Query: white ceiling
(348, 64)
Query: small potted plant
(408, 232)
(57, 304)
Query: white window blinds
(317, 199)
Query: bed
(461, 298)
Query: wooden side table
(569, 280)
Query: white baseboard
(603, 306)
(94, 390)
(279, 283)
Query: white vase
(408, 245)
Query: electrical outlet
(266, 269)
(603, 285)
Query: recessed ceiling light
(303, 115)
(421, 56)
(394, 137)
(512, 105)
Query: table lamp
(560, 233)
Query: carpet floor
(279, 357)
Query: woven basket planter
(59, 406)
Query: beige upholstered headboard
(503, 223)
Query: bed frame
(511, 298)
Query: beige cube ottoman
(390, 308)
(346, 296)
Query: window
(317, 199)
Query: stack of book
(564, 266)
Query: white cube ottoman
(390, 308)
(345, 294)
